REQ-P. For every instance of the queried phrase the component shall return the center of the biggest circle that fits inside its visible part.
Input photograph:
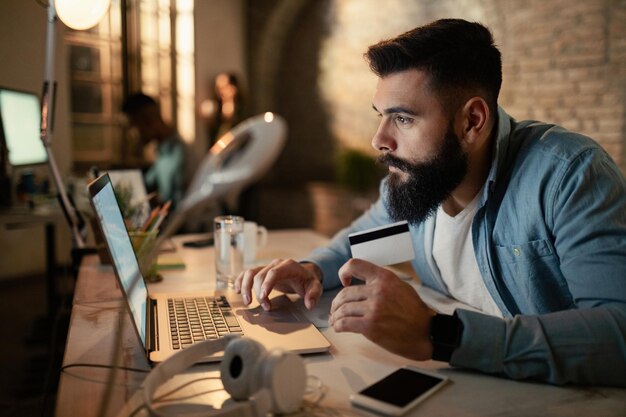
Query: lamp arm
(47, 113)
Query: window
(157, 37)
(95, 88)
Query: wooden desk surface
(352, 363)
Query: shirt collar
(501, 149)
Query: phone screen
(401, 387)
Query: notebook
(156, 317)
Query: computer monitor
(20, 119)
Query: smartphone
(199, 243)
(399, 391)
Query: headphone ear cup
(238, 368)
(283, 374)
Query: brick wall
(564, 62)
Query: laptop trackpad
(281, 319)
(282, 327)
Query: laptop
(169, 322)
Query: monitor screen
(20, 114)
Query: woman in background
(226, 110)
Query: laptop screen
(121, 250)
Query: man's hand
(385, 310)
(288, 276)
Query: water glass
(228, 235)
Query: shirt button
(517, 252)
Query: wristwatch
(445, 334)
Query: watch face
(446, 329)
(445, 333)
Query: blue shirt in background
(167, 172)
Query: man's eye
(403, 120)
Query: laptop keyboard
(200, 318)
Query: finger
(359, 269)
(358, 308)
(257, 281)
(238, 281)
(352, 324)
(277, 272)
(362, 270)
(288, 276)
(257, 284)
(246, 284)
(312, 293)
(349, 295)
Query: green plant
(123, 195)
(358, 170)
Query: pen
(153, 215)
(146, 198)
(161, 216)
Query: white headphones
(258, 381)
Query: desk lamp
(237, 159)
(79, 15)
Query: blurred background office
(564, 62)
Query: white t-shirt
(453, 251)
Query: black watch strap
(445, 334)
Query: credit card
(383, 245)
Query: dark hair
(137, 102)
(232, 78)
(460, 57)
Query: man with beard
(524, 221)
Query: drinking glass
(228, 235)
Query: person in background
(222, 115)
(166, 175)
(522, 220)
(226, 110)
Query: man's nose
(383, 140)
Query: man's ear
(475, 116)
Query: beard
(428, 184)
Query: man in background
(524, 221)
(166, 175)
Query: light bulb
(81, 14)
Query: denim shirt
(167, 172)
(550, 243)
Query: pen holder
(143, 244)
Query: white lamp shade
(81, 14)
(227, 168)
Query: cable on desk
(310, 406)
(161, 398)
(97, 304)
(311, 403)
(316, 390)
(97, 365)
(136, 410)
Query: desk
(352, 363)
